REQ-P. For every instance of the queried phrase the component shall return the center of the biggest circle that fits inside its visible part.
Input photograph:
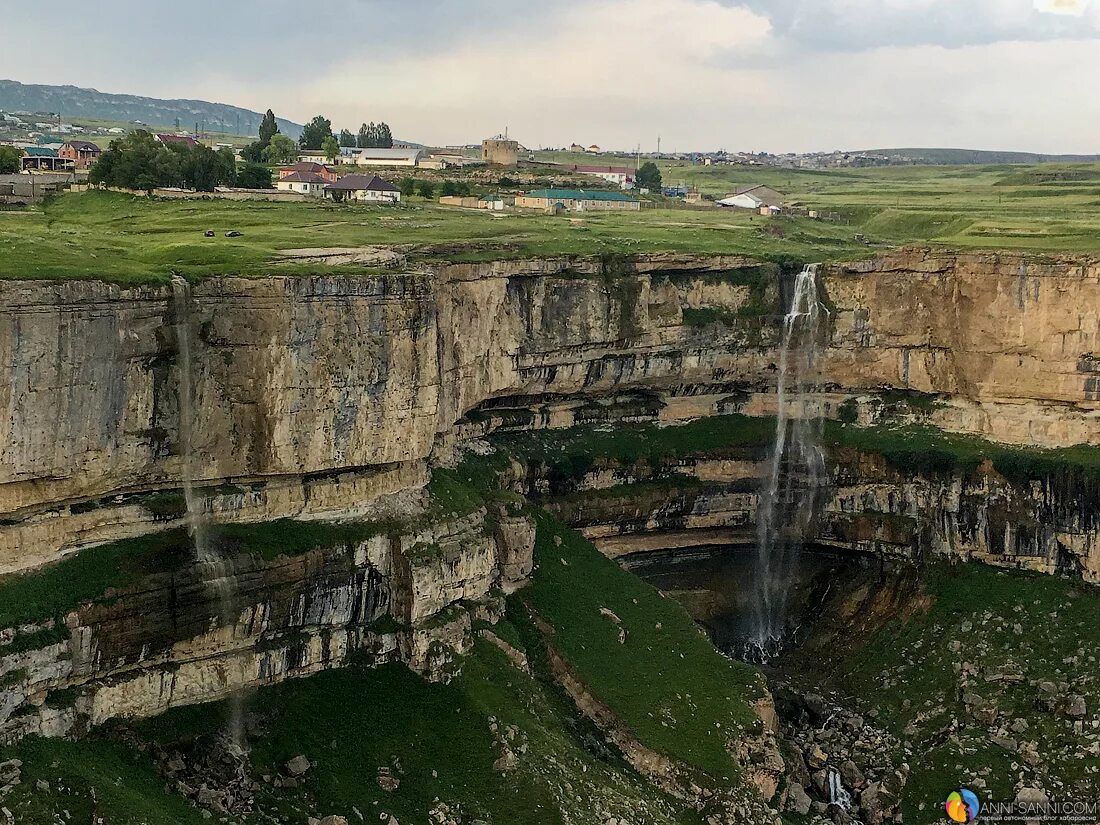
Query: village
(40, 158)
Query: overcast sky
(781, 75)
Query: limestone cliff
(316, 395)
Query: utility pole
(658, 147)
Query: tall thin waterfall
(797, 467)
(218, 572)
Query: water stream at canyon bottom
(796, 468)
(217, 571)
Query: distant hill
(74, 103)
(951, 157)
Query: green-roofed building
(577, 200)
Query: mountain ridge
(74, 102)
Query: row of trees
(139, 161)
(318, 132)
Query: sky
(759, 75)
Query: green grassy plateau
(1046, 208)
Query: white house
(621, 176)
(307, 183)
(382, 157)
(364, 188)
(313, 156)
(753, 197)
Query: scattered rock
(298, 766)
(798, 800)
(1075, 706)
(851, 775)
(387, 781)
(334, 820)
(816, 758)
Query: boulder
(798, 800)
(298, 766)
(852, 775)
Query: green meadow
(1048, 208)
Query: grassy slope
(1042, 626)
(667, 682)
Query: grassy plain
(1047, 208)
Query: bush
(425, 188)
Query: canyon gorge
(391, 461)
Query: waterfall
(218, 573)
(797, 468)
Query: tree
(330, 147)
(254, 176)
(254, 152)
(385, 137)
(11, 159)
(268, 128)
(346, 138)
(281, 151)
(138, 161)
(315, 132)
(374, 136)
(649, 176)
(425, 189)
(407, 186)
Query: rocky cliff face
(1050, 526)
(407, 593)
(316, 395)
(1011, 342)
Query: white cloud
(852, 25)
(735, 74)
(1075, 8)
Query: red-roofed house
(83, 153)
(177, 140)
(309, 168)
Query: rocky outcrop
(1049, 526)
(319, 384)
(405, 593)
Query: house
(576, 147)
(306, 183)
(593, 149)
(364, 188)
(83, 153)
(577, 200)
(310, 168)
(494, 203)
(45, 159)
(753, 197)
(177, 140)
(621, 176)
(356, 156)
(315, 157)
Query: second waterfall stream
(796, 469)
(217, 571)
